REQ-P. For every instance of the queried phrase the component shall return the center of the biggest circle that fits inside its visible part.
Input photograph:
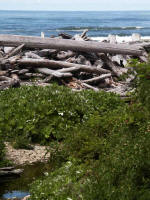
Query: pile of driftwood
(77, 62)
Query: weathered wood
(64, 44)
(64, 55)
(3, 73)
(84, 33)
(8, 84)
(97, 79)
(60, 64)
(84, 68)
(15, 77)
(90, 87)
(14, 51)
(5, 78)
(53, 73)
(117, 70)
(46, 52)
(32, 55)
(7, 50)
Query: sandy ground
(22, 156)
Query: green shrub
(111, 150)
(113, 154)
(50, 113)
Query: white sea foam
(120, 39)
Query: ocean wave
(120, 38)
(96, 28)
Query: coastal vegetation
(99, 143)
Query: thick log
(64, 44)
(53, 73)
(61, 64)
(97, 79)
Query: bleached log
(64, 44)
(30, 75)
(60, 64)
(53, 73)
(90, 87)
(14, 51)
(115, 69)
(97, 79)
(84, 33)
(84, 68)
(7, 49)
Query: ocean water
(99, 24)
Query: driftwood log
(65, 44)
(70, 67)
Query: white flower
(61, 114)
(46, 173)
(78, 172)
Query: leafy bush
(110, 150)
(43, 114)
(101, 145)
(112, 154)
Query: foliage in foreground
(37, 114)
(108, 157)
(102, 153)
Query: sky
(73, 5)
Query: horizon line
(72, 10)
